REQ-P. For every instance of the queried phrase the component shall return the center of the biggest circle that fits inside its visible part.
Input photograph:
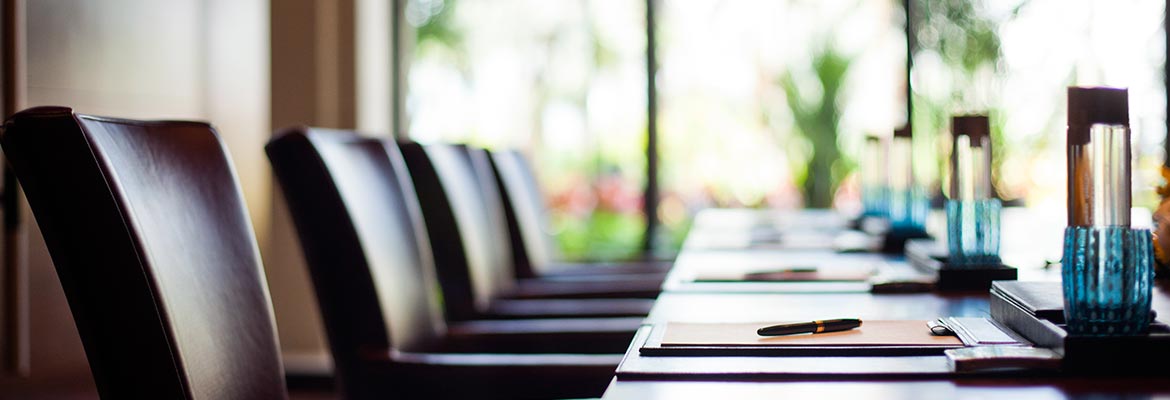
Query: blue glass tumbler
(908, 204)
(973, 212)
(1107, 267)
(973, 232)
(874, 191)
(1107, 275)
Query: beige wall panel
(176, 59)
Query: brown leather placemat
(912, 333)
(791, 273)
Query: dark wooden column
(650, 195)
(14, 337)
(911, 44)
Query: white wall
(177, 59)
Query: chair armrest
(604, 276)
(545, 289)
(605, 361)
(607, 267)
(568, 308)
(441, 375)
(552, 335)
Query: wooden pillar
(650, 195)
(14, 338)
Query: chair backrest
(528, 224)
(361, 231)
(472, 255)
(493, 204)
(148, 231)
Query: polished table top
(1027, 241)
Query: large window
(1015, 59)
(766, 103)
(564, 81)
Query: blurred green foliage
(434, 22)
(604, 235)
(601, 231)
(962, 36)
(817, 119)
(958, 30)
(968, 43)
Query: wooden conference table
(724, 240)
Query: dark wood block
(1012, 304)
(928, 256)
(894, 241)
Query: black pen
(819, 326)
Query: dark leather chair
(468, 234)
(150, 237)
(369, 259)
(533, 248)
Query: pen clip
(939, 328)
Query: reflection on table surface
(975, 388)
(1031, 242)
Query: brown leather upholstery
(151, 239)
(535, 253)
(640, 279)
(532, 248)
(466, 227)
(358, 221)
(464, 256)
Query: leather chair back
(493, 204)
(361, 231)
(150, 236)
(532, 243)
(472, 253)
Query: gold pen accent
(816, 326)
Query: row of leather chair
(417, 254)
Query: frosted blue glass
(908, 209)
(1107, 274)
(874, 201)
(973, 232)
